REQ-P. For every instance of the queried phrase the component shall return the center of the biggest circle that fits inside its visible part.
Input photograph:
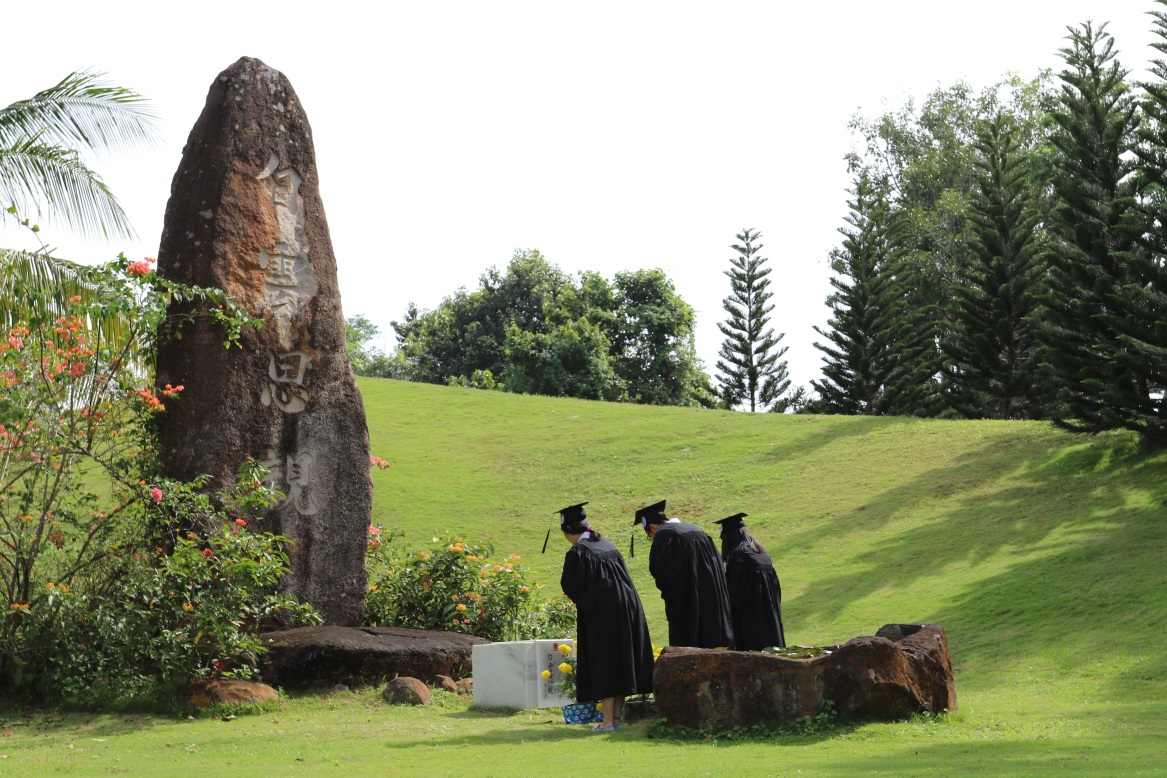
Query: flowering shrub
(97, 582)
(458, 587)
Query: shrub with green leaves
(457, 586)
(103, 598)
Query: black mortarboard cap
(731, 523)
(573, 514)
(654, 511)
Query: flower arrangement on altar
(565, 669)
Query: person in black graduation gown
(613, 646)
(687, 570)
(755, 596)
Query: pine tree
(1142, 330)
(993, 348)
(1097, 226)
(883, 359)
(751, 365)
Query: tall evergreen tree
(1143, 330)
(882, 358)
(752, 369)
(992, 350)
(1098, 227)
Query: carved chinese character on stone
(292, 475)
(287, 374)
(245, 216)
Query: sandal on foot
(602, 728)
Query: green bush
(457, 587)
(106, 598)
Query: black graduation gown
(687, 569)
(755, 599)
(612, 643)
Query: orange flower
(460, 608)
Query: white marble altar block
(507, 674)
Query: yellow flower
(186, 606)
(564, 668)
(599, 706)
(50, 585)
(372, 587)
(545, 674)
(564, 649)
(460, 607)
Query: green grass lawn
(1042, 555)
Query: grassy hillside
(1041, 553)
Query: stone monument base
(324, 656)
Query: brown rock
(406, 691)
(205, 692)
(446, 684)
(309, 656)
(869, 676)
(465, 686)
(245, 216)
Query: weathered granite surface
(245, 216)
(205, 692)
(905, 669)
(406, 691)
(309, 656)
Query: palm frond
(51, 180)
(82, 111)
(34, 285)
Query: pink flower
(374, 531)
(156, 494)
(378, 463)
(75, 298)
(139, 268)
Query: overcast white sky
(608, 135)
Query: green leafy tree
(366, 360)
(881, 359)
(43, 175)
(927, 156)
(992, 349)
(652, 342)
(534, 329)
(1097, 228)
(752, 371)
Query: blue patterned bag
(582, 714)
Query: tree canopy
(534, 329)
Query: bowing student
(687, 570)
(755, 596)
(614, 652)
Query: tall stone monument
(245, 216)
